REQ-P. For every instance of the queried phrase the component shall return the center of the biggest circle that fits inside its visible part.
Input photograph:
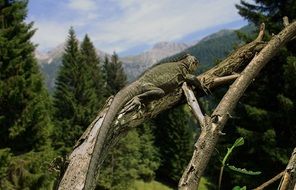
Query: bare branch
(286, 21)
(207, 141)
(271, 181)
(222, 80)
(289, 178)
(261, 33)
(193, 103)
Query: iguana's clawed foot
(193, 80)
(135, 102)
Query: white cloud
(82, 5)
(150, 21)
(123, 24)
(49, 34)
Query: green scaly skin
(153, 84)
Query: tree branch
(215, 124)
(193, 103)
(269, 182)
(289, 178)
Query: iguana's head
(192, 63)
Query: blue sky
(130, 26)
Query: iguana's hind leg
(150, 93)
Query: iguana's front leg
(151, 92)
(192, 80)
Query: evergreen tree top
(268, 11)
(13, 11)
(72, 44)
(88, 50)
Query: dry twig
(269, 182)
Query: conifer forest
(231, 127)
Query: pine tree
(174, 138)
(115, 76)
(149, 160)
(265, 116)
(134, 157)
(75, 96)
(120, 169)
(24, 103)
(25, 109)
(268, 11)
(95, 73)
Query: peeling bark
(289, 176)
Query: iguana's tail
(120, 99)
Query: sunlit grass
(155, 185)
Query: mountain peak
(169, 45)
(57, 51)
(40, 55)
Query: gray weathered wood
(289, 178)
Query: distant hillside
(50, 71)
(214, 47)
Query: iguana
(153, 84)
(173, 58)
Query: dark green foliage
(134, 157)
(120, 167)
(29, 171)
(5, 157)
(95, 74)
(25, 107)
(24, 103)
(149, 156)
(78, 94)
(266, 115)
(174, 138)
(115, 76)
(65, 102)
(268, 11)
